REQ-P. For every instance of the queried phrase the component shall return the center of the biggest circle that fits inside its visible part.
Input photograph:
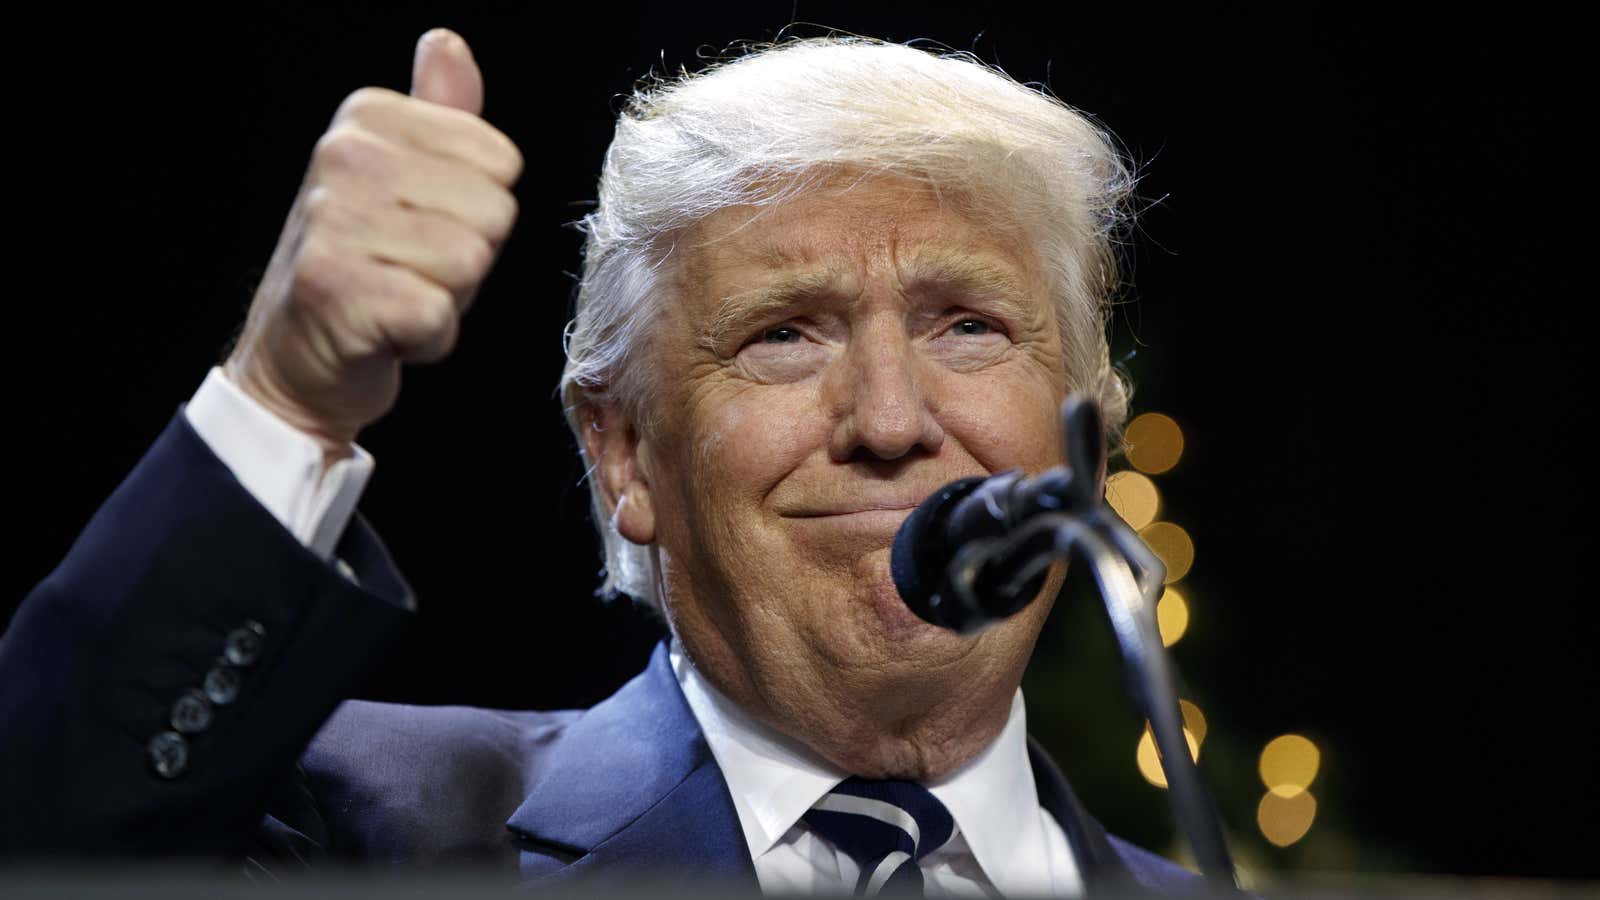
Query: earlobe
(635, 518)
(611, 443)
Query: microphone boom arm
(1130, 579)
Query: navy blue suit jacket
(181, 556)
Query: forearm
(136, 616)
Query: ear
(611, 447)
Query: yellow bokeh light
(1284, 820)
(1173, 545)
(1155, 443)
(1134, 497)
(1172, 616)
(1150, 761)
(1289, 765)
(1194, 721)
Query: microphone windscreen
(920, 554)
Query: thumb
(444, 72)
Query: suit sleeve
(282, 467)
(157, 688)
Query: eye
(972, 326)
(781, 354)
(780, 335)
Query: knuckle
(437, 312)
(500, 157)
(476, 256)
(319, 203)
(342, 149)
(439, 347)
(316, 271)
(332, 210)
(513, 164)
(363, 104)
(430, 324)
(507, 216)
(465, 257)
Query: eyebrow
(746, 308)
(973, 276)
(951, 272)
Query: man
(821, 282)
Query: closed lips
(851, 510)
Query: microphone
(978, 551)
(944, 558)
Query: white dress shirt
(1004, 842)
(281, 466)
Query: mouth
(867, 527)
(883, 509)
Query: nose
(881, 399)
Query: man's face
(825, 366)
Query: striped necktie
(886, 827)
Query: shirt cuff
(278, 464)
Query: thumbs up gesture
(402, 212)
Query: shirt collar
(774, 780)
(995, 803)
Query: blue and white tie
(886, 826)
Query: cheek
(734, 447)
(745, 441)
(1007, 422)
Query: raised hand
(402, 213)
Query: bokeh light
(1155, 443)
(1193, 720)
(1150, 761)
(1134, 497)
(1284, 820)
(1172, 616)
(1172, 544)
(1289, 765)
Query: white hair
(785, 114)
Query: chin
(878, 586)
(881, 632)
(926, 749)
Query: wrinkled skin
(826, 364)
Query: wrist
(335, 446)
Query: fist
(402, 212)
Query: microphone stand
(1085, 528)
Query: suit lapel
(632, 789)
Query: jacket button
(222, 685)
(169, 754)
(192, 713)
(243, 646)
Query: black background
(1357, 283)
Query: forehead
(847, 225)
